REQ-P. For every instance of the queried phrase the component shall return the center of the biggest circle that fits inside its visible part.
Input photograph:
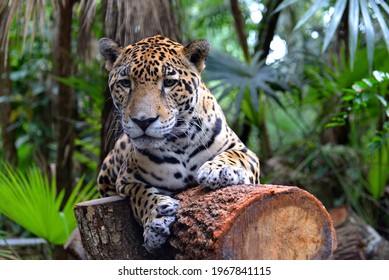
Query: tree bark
(65, 103)
(126, 23)
(7, 135)
(108, 229)
(267, 28)
(238, 222)
(239, 26)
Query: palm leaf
(353, 25)
(29, 199)
(251, 78)
(240, 96)
(384, 6)
(36, 15)
(367, 9)
(369, 30)
(381, 22)
(284, 5)
(312, 10)
(339, 8)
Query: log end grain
(252, 222)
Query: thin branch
(239, 25)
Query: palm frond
(366, 12)
(384, 6)
(369, 31)
(234, 75)
(86, 16)
(29, 199)
(285, 4)
(353, 23)
(34, 16)
(381, 22)
(339, 9)
(312, 10)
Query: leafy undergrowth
(30, 200)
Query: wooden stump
(238, 222)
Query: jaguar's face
(154, 84)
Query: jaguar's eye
(169, 82)
(125, 83)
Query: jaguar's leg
(111, 166)
(156, 212)
(106, 180)
(232, 167)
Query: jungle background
(303, 83)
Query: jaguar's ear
(110, 51)
(197, 52)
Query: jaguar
(175, 135)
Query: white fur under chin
(148, 142)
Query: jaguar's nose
(144, 122)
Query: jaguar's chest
(166, 170)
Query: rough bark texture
(108, 229)
(238, 222)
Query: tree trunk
(239, 25)
(7, 135)
(127, 22)
(238, 222)
(267, 28)
(65, 103)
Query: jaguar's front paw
(157, 228)
(217, 174)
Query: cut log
(108, 229)
(357, 240)
(237, 222)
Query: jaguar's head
(154, 84)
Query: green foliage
(323, 91)
(88, 86)
(378, 174)
(328, 87)
(247, 80)
(366, 94)
(369, 96)
(369, 10)
(31, 101)
(213, 20)
(29, 199)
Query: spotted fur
(175, 133)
